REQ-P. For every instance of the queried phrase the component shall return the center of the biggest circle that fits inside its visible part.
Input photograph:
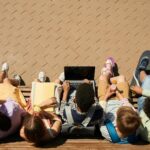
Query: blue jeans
(145, 85)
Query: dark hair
(84, 96)
(127, 120)
(5, 122)
(34, 128)
(146, 107)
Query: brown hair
(34, 128)
(127, 120)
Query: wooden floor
(65, 144)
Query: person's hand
(119, 95)
(66, 86)
(137, 89)
(109, 93)
(29, 108)
(86, 81)
(51, 102)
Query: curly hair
(84, 96)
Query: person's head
(34, 128)
(127, 120)
(5, 122)
(84, 97)
(146, 107)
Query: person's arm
(66, 88)
(108, 94)
(22, 135)
(124, 101)
(48, 103)
(57, 123)
(56, 127)
(139, 90)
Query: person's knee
(121, 78)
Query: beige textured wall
(48, 34)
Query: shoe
(42, 76)
(108, 67)
(62, 77)
(144, 63)
(142, 66)
(17, 77)
(5, 67)
(106, 72)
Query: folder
(42, 91)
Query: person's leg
(104, 79)
(102, 86)
(142, 75)
(145, 85)
(3, 75)
(13, 82)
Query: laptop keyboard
(74, 85)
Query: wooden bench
(61, 143)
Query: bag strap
(89, 115)
(112, 131)
(69, 115)
(87, 119)
(114, 136)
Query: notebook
(43, 91)
(76, 74)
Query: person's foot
(5, 67)
(62, 77)
(108, 67)
(42, 76)
(144, 63)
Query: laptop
(76, 74)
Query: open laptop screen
(79, 72)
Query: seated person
(10, 117)
(8, 87)
(40, 126)
(144, 99)
(120, 115)
(79, 102)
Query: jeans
(145, 85)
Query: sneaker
(62, 77)
(110, 64)
(142, 66)
(5, 67)
(42, 76)
(144, 63)
(106, 72)
(18, 78)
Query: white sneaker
(62, 77)
(42, 76)
(5, 67)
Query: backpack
(79, 130)
(114, 136)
